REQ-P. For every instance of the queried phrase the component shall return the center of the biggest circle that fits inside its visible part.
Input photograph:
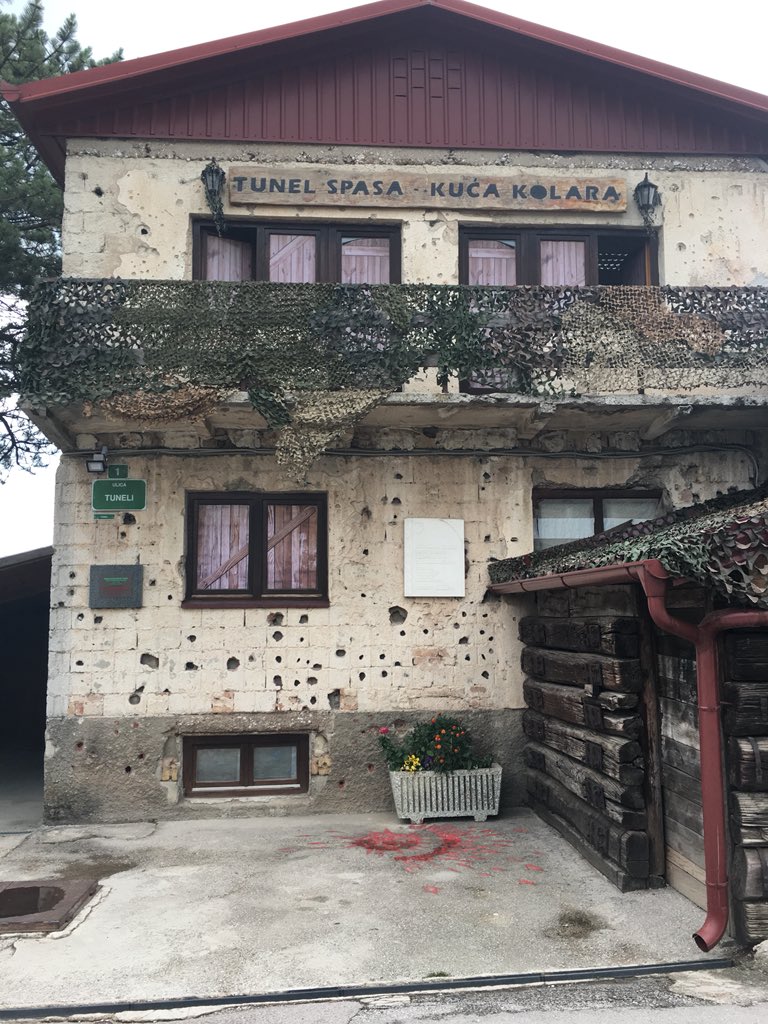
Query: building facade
(519, 355)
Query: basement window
(560, 517)
(246, 765)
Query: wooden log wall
(744, 661)
(587, 682)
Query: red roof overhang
(189, 64)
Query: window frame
(246, 786)
(258, 595)
(597, 496)
(328, 235)
(528, 239)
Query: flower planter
(474, 792)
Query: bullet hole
(369, 767)
(116, 732)
(98, 191)
(482, 632)
(363, 595)
(334, 700)
(397, 664)
(150, 660)
(317, 666)
(463, 615)
(129, 519)
(301, 639)
(485, 675)
(297, 682)
(340, 653)
(486, 476)
(384, 500)
(123, 534)
(313, 700)
(398, 476)
(143, 230)
(277, 635)
(430, 431)
(397, 615)
(59, 604)
(456, 625)
(72, 575)
(278, 682)
(361, 676)
(311, 680)
(191, 638)
(279, 660)
(170, 597)
(141, 757)
(361, 657)
(79, 745)
(463, 639)
(365, 551)
(232, 664)
(490, 650)
(135, 698)
(342, 783)
(485, 615)
(80, 617)
(490, 639)
(166, 693)
(190, 667)
(98, 619)
(128, 769)
(251, 657)
(402, 632)
(70, 591)
(275, 619)
(487, 538)
(153, 583)
(396, 501)
(79, 663)
(303, 620)
(365, 512)
(467, 658)
(384, 675)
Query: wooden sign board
(356, 186)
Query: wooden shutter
(226, 259)
(563, 263)
(291, 547)
(492, 262)
(222, 547)
(365, 261)
(292, 259)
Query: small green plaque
(119, 495)
(117, 472)
(103, 515)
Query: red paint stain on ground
(534, 867)
(525, 881)
(431, 888)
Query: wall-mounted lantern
(213, 178)
(97, 462)
(647, 197)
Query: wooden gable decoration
(411, 74)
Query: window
(563, 516)
(246, 765)
(293, 253)
(496, 256)
(268, 549)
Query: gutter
(655, 581)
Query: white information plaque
(434, 558)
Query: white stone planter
(474, 792)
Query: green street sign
(119, 495)
(118, 472)
(103, 515)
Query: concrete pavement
(227, 907)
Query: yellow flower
(412, 763)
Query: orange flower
(438, 746)
(442, 730)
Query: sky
(727, 43)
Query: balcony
(171, 352)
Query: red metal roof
(403, 72)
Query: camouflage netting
(722, 543)
(315, 358)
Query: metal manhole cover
(46, 905)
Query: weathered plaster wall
(124, 684)
(128, 207)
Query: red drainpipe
(655, 580)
